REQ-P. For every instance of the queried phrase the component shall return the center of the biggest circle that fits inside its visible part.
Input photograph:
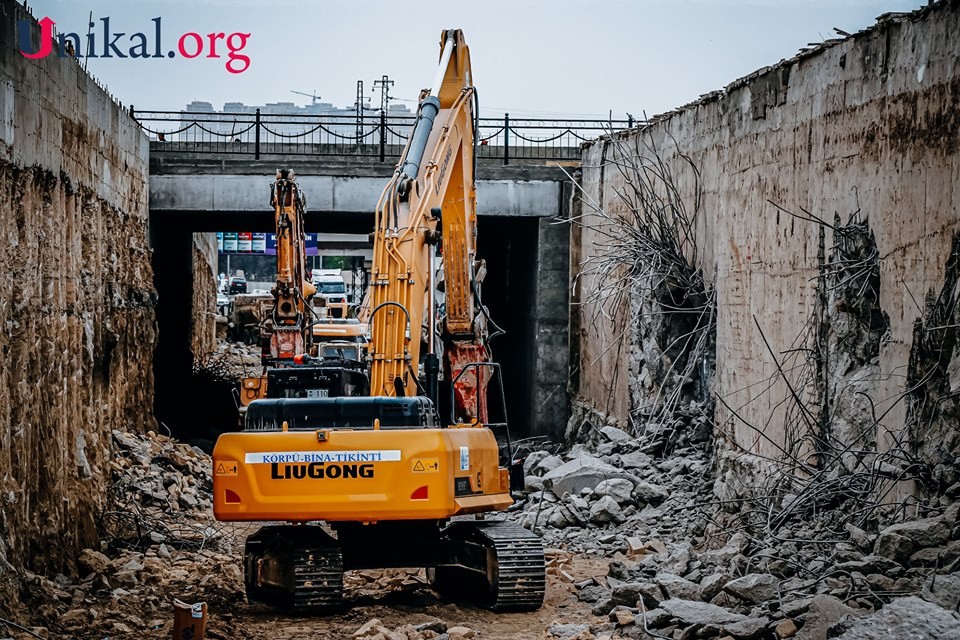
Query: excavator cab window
(331, 287)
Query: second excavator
(403, 475)
(294, 365)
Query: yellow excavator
(391, 477)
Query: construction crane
(313, 96)
(394, 475)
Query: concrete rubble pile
(619, 483)
(372, 582)
(159, 542)
(675, 574)
(240, 359)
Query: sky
(531, 58)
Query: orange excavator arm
(292, 311)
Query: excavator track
(318, 579)
(510, 558)
(294, 567)
(519, 572)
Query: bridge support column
(551, 328)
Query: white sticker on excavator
(464, 458)
(274, 457)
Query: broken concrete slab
(747, 629)
(712, 584)
(619, 489)
(679, 588)
(655, 618)
(613, 434)
(871, 564)
(548, 464)
(894, 546)
(690, 612)
(735, 546)
(753, 587)
(630, 593)
(928, 532)
(606, 510)
(942, 590)
(677, 559)
(636, 460)
(564, 631)
(585, 472)
(824, 612)
(908, 617)
(651, 493)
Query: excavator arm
(431, 203)
(291, 313)
(292, 294)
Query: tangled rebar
(648, 267)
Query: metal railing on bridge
(381, 135)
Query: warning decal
(425, 465)
(227, 469)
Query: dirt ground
(413, 602)
(395, 597)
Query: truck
(331, 291)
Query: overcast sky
(530, 57)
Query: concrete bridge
(181, 183)
(522, 235)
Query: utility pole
(384, 85)
(359, 114)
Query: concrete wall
(203, 338)
(76, 301)
(870, 124)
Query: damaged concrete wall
(203, 338)
(600, 334)
(860, 139)
(77, 301)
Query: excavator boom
(431, 200)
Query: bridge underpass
(526, 249)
